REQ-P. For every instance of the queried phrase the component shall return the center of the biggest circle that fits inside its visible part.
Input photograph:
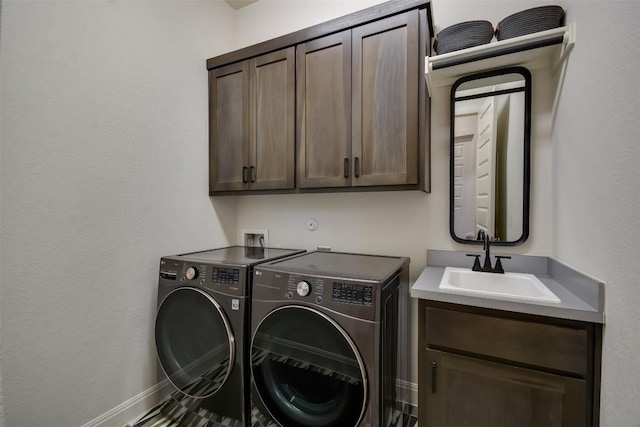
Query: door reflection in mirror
(490, 138)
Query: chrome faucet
(487, 268)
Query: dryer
(201, 327)
(325, 341)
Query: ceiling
(237, 4)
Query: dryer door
(194, 342)
(307, 370)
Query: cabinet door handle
(253, 174)
(434, 387)
(244, 174)
(346, 167)
(356, 167)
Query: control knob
(191, 273)
(303, 288)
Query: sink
(508, 285)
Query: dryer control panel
(351, 297)
(350, 293)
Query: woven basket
(462, 36)
(530, 21)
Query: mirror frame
(527, 152)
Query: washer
(201, 326)
(325, 341)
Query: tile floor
(178, 410)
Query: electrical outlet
(254, 237)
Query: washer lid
(344, 265)
(240, 255)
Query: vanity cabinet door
(485, 367)
(272, 120)
(385, 101)
(323, 108)
(464, 391)
(229, 127)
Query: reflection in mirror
(490, 139)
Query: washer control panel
(222, 278)
(229, 276)
(191, 273)
(303, 288)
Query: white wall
(104, 169)
(597, 197)
(267, 19)
(1, 391)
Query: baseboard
(407, 391)
(133, 408)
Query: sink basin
(508, 285)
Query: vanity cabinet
(251, 108)
(486, 367)
(338, 106)
(357, 105)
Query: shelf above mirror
(543, 49)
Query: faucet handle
(498, 268)
(476, 262)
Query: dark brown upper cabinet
(323, 108)
(385, 101)
(357, 106)
(338, 106)
(272, 120)
(252, 107)
(229, 127)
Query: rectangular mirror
(490, 157)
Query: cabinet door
(229, 127)
(323, 111)
(272, 120)
(385, 101)
(463, 391)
